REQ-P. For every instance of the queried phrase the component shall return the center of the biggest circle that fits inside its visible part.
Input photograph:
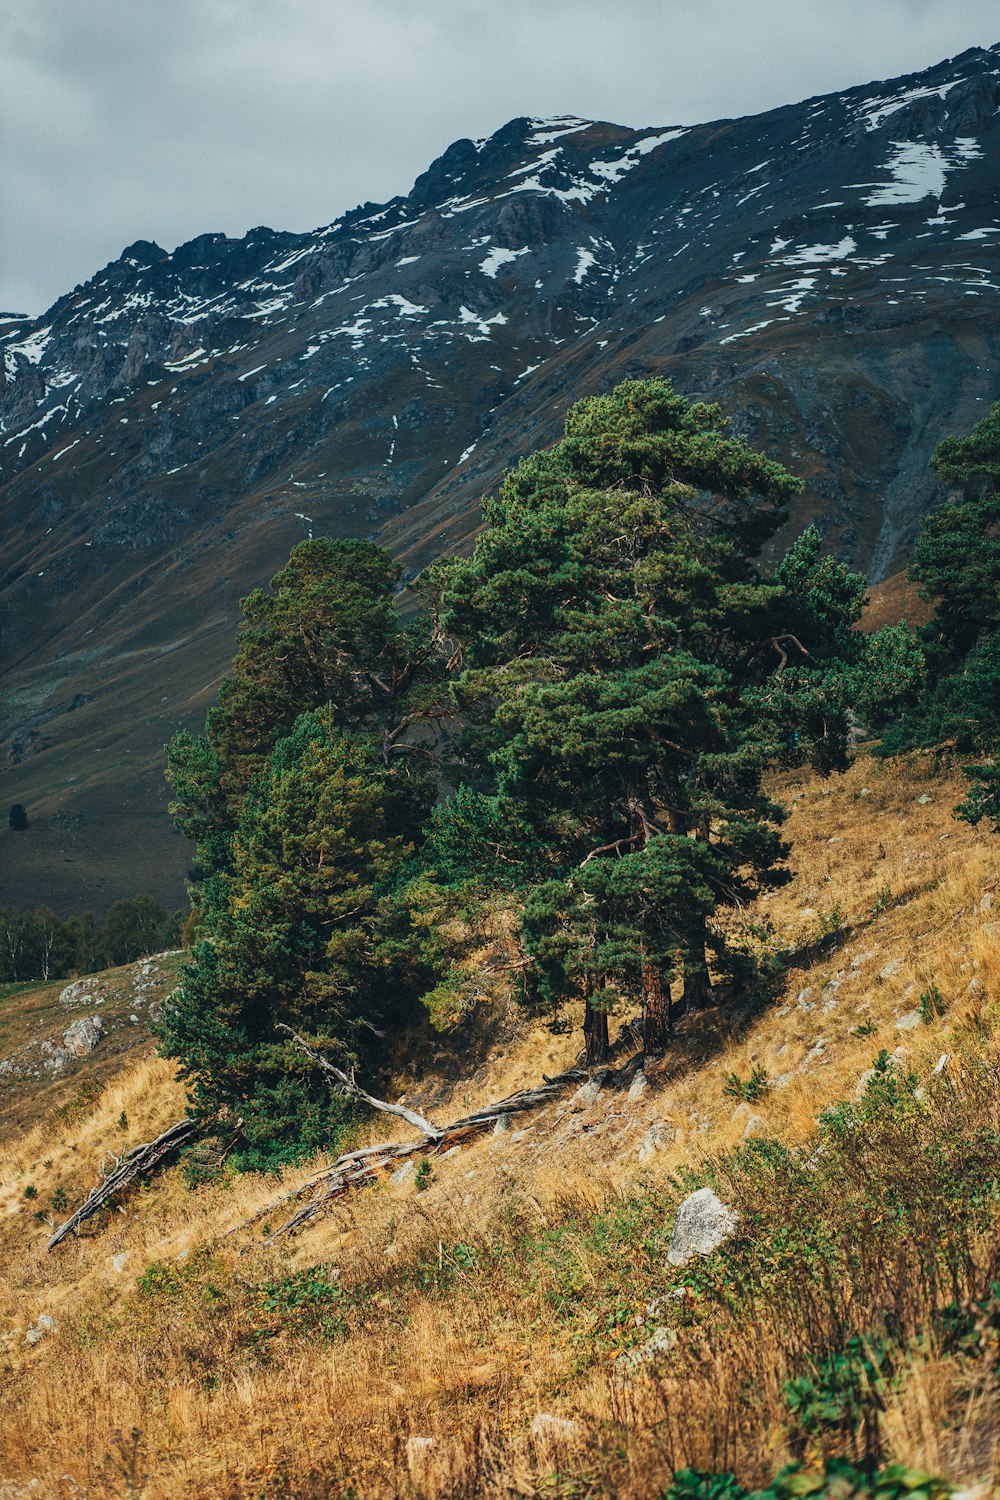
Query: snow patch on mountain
(500, 257)
(919, 169)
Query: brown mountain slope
(409, 1341)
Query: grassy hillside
(507, 1322)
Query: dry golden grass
(472, 1306)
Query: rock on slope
(827, 271)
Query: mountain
(826, 271)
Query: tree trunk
(657, 1029)
(595, 1034)
(697, 981)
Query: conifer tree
(303, 932)
(619, 651)
(327, 633)
(306, 795)
(957, 564)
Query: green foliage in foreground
(838, 1480)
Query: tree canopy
(957, 564)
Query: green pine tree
(628, 674)
(303, 932)
(957, 564)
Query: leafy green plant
(831, 922)
(884, 897)
(838, 1480)
(30, 1191)
(864, 1028)
(424, 1176)
(307, 1303)
(60, 1200)
(838, 1391)
(750, 1089)
(160, 1279)
(931, 1005)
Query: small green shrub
(931, 1005)
(750, 1089)
(831, 922)
(306, 1304)
(424, 1176)
(30, 1191)
(161, 1278)
(60, 1200)
(884, 897)
(864, 1028)
(839, 1480)
(838, 1391)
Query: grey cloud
(159, 119)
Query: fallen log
(357, 1168)
(127, 1168)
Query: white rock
(418, 1451)
(891, 969)
(658, 1137)
(703, 1223)
(942, 1062)
(588, 1092)
(754, 1126)
(403, 1174)
(119, 1262)
(502, 1125)
(83, 992)
(910, 1021)
(551, 1429)
(82, 1037)
(659, 1345)
(637, 1088)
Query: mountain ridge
(173, 425)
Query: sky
(162, 119)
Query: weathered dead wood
(128, 1167)
(345, 1083)
(357, 1168)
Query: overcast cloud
(161, 119)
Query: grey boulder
(703, 1223)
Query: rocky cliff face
(827, 271)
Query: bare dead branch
(345, 1083)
